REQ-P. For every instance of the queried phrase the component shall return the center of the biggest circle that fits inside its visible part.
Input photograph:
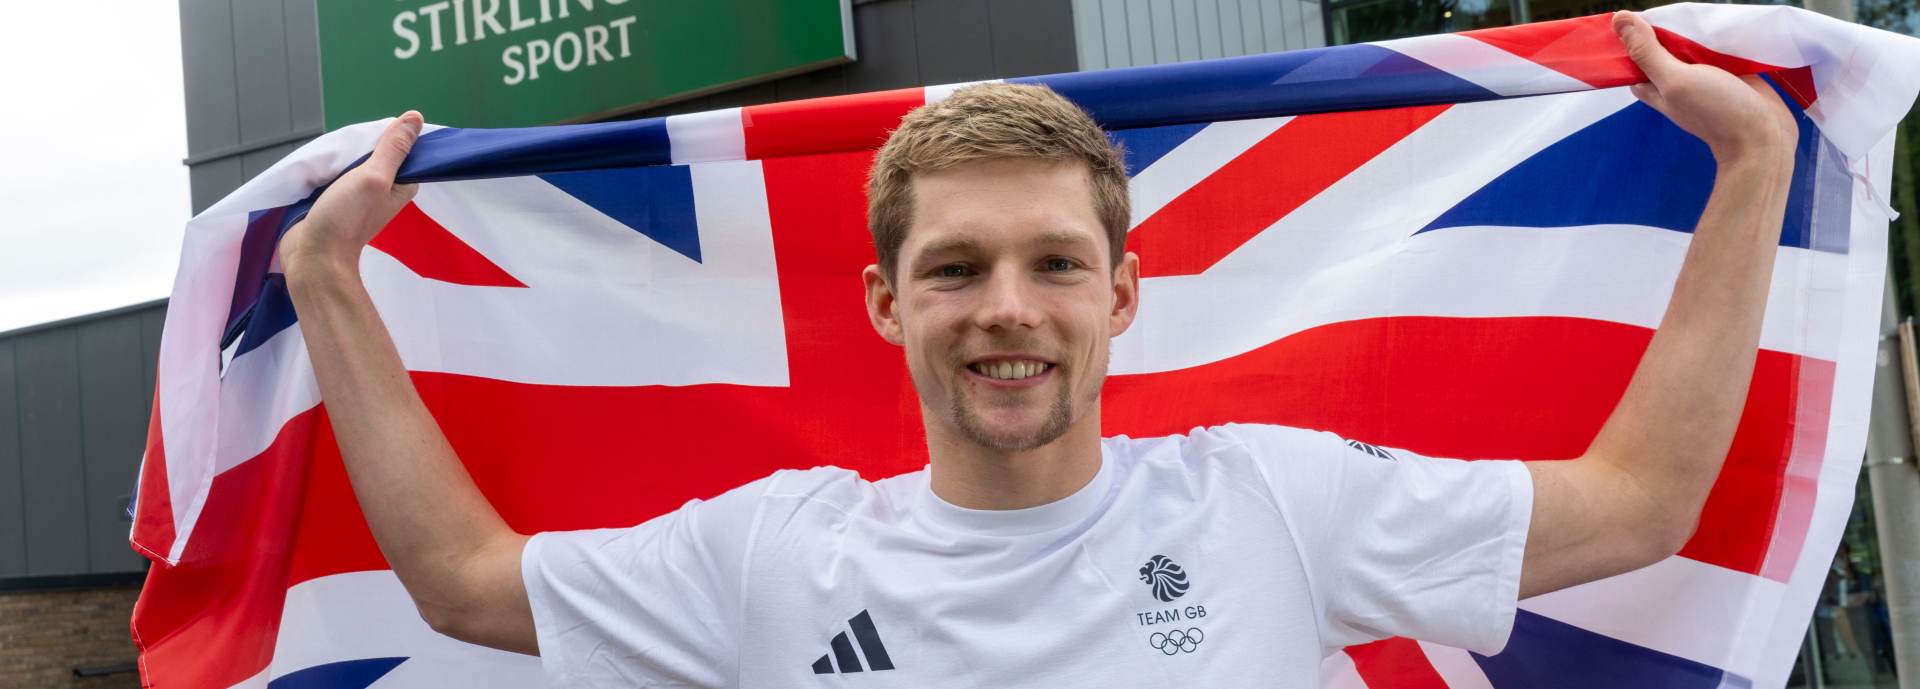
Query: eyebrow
(966, 244)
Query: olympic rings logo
(1177, 641)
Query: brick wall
(45, 634)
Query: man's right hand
(358, 204)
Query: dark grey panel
(212, 180)
(1029, 37)
(255, 162)
(826, 82)
(110, 417)
(741, 97)
(47, 369)
(955, 40)
(883, 36)
(260, 52)
(13, 534)
(151, 322)
(303, 63)
(206, 56)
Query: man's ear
(1126, 294)
(881, 306)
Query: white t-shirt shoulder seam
(1314, 593)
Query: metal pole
(1896, 492)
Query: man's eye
(1059, 265)
(951, 270)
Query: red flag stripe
(1395, 663)
(425, 247)
(858, 122)
(1265, 183)
(1586, 48)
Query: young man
(1032, 552)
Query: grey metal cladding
(953, 38)
(1126, 33)
(883, 36)
(52, 474)
(113, 417)
(303, 64)
(13, 508)
(260, 42)
(206, 54)
(1030, 37)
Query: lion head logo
(1167, 579)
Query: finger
(404, 192)
(1649, 94)
(1643, 47)
(394, 144)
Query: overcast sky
(94, 126)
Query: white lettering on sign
(475, 21)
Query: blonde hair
(986, 122)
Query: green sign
(511, 63)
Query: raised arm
(458, 560)
(1635, 496)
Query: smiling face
(1005, 297)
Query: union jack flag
(1454, 244)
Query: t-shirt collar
(1060, 513)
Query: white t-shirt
(1232, 556)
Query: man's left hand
(1736, 116)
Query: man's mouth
(1011, 369)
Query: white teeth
(1010, 370)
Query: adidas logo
(842, 655)
(1372, 450)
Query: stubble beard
(1059, 419)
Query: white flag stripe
(1456, 667)
(261, 392)
(940, 92)
(650, 320)
(1338, 672)
(1194, 160)
(1618, 273)
(1348, 220)
(1484, 65)
(707, 136)
(362, 615)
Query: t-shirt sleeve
(1397, 544)
(656, 604)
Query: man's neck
(967, 474)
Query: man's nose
(1007, 302)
